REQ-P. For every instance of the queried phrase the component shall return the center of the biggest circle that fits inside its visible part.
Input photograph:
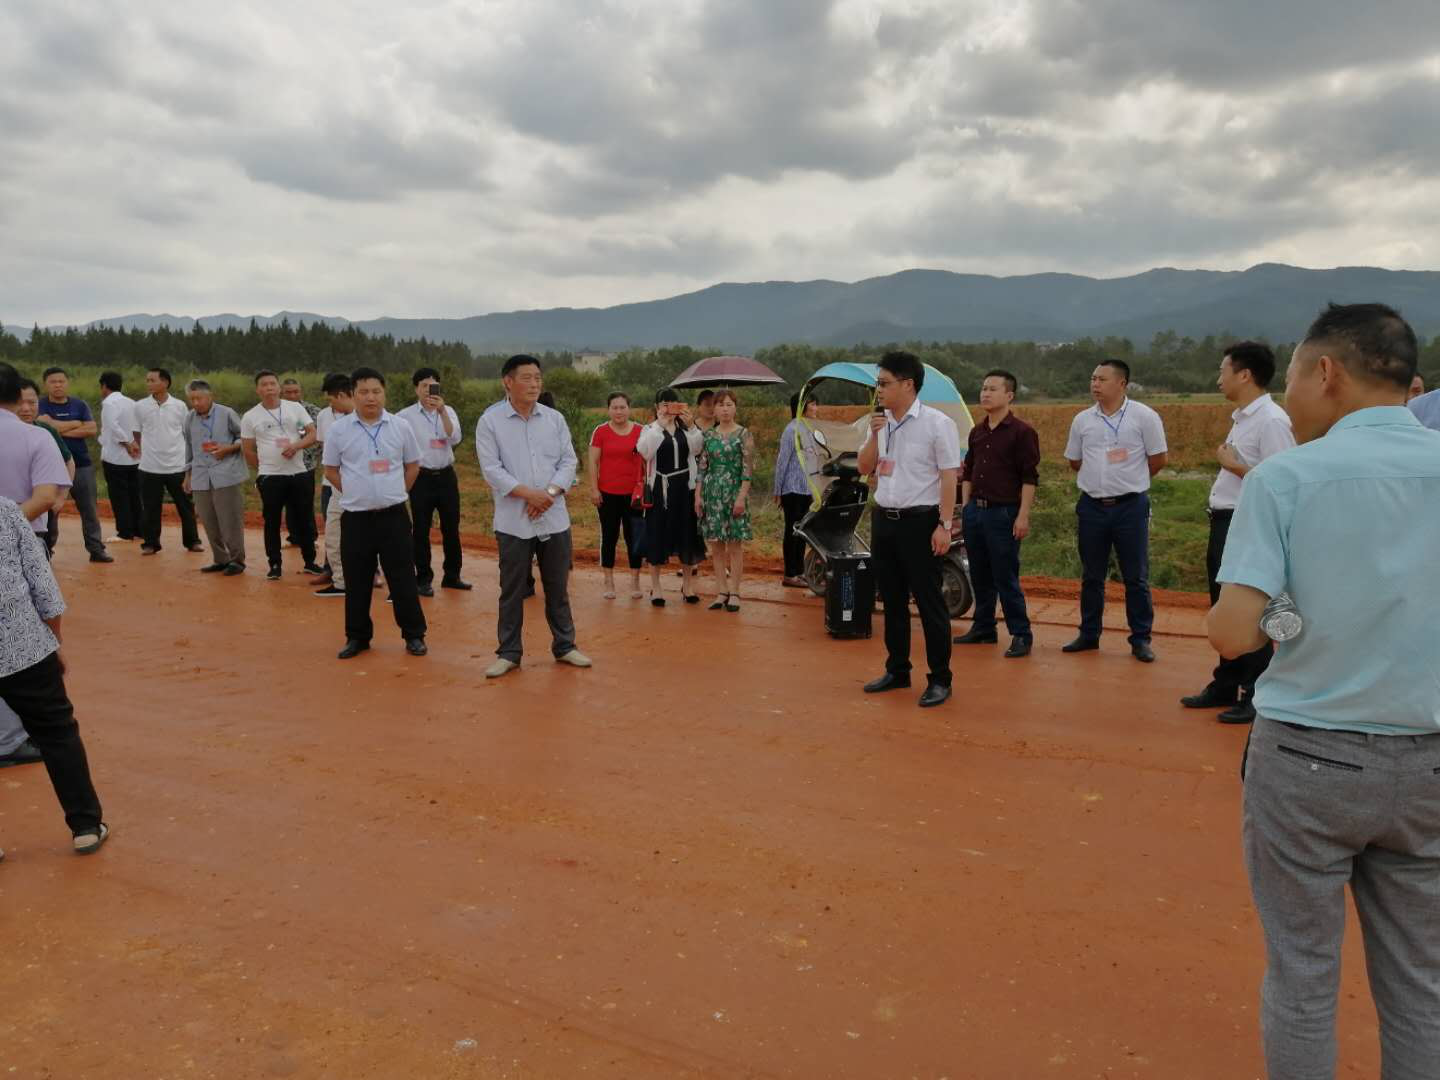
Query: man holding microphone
(914, 452)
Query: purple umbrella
(725, 371)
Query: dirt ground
(709, 856)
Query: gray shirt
(221, 426)
(28, 594)
(537, 453)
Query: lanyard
(279, 420)
(434, 421)
(373, 436)
(891, 430)
(1115, 427)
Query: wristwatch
(947, 524)
(554, 491)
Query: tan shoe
(501, 666)
(575, 658)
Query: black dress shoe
(426, 590)
(456, 583)
(213, 568)
(234, 568)
(1019, 646)
(1209, 698)
(888, 681)
(1141, 651)
(27, 753)
(415, 646)
(1243, 713)
(935, 694)
(977, 637)
(1081, 644)
(353, 647)
(103, 556)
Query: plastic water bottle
(1281, 619)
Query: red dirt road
(709, 856)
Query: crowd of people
(1331, 503)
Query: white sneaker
(575, 658)
(501, 666)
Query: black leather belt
(436, 472)
(1210, 510)
(991, 504)
(391, 509)
(905, 512)
(1114, 500)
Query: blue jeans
(1125, 527)
(995, 567)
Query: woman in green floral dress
(727, 464)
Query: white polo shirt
(162, 433)
(273, 430)
(1258, 431)
(437, 450)
(1114, 451)
(918, 445)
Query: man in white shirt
(160, 432)
(437, 429)
(1115, 448)
(275, 434)
(120, 457)
(1259, 429)
(339, 390)
(914, 451)
(371, 460)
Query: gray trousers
(553, 557)
(1323, 808)
(82, 494)
(222, 513)
(332, 542)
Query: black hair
(614, 394)
(1011, 382)
(794, 405)
(365, 373)
(424, 374)
(666, 393)
(111, 380)
(519, 360)
(337, 383)
(53, 371)
(1119, 365)
(1376, 343)
(165, 375)
(904, 365)
(546, 398)
(265, 373)
(1254, 357)
(704, 396)
(9, 384)
(290, 380)
(27, 384)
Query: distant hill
(1268, 300)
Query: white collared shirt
(162, 433)
(919, 445)
(1130, 437)
(273, 430)
(437, 450)
(371, 459)
(1258, 431)
(117, 429)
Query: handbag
(640, 497)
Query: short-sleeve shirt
(273, 431)
(920, 444)
(371, 459)
(1258, 431)
(29, 457)
(324, 421)
(621, 468)
(437, 449)
(162, 433)
(1113, 451)
(206, 471)
(1347, 526)
(71, 409)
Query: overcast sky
(360, 158)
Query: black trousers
(617, 517)
(325, 494)
(37, 696)
(368, 536)
(292, 497)
(152, 497)
(123, 483)
(794, 507)
(1238, 675)
(436, 489)
(906, 566)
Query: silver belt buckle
(893, 515)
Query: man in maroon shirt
(997, 489)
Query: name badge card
(282, 443)
(439, 444)
(379, 465)
(1116, 455)
(885, 467)
(210, 446)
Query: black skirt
(673, 529)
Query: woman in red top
(616, 472)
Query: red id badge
(885, 467)
(283, 443)
(1116, 455)
(439, 444)
(379, 465)
(209, 446)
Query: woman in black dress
(670, 445)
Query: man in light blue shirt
(1342, 774)
(1426, 408)
(529, 462)
(371, 460)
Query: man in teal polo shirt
(1342, 777)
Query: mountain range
(1269, 300)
